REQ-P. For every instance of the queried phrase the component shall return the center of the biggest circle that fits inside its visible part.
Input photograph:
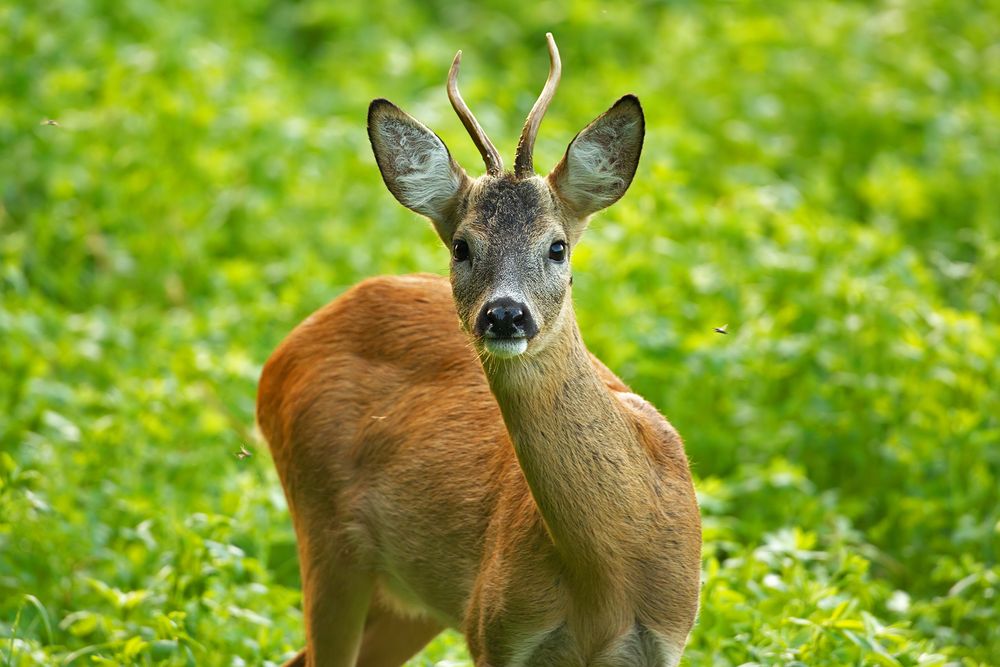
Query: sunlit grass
(819, 176)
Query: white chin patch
(505, 348)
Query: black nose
(506, 318)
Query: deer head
(511, 234)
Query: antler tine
(494, 163)
(523, 161)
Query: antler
(494, 163)
(523, 164)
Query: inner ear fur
(601, 161)
(416, 165)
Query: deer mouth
(507, 347)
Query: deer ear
(600, 162)
(416, 165)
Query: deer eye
(460, 250)
(557, 251)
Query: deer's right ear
(600, 162)
(416, 165)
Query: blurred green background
(823, 177)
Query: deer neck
(580, 453)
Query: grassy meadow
(182, 182)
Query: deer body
(454, 457)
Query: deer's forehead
(510, 209)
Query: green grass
(821, 176)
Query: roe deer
(453, 456)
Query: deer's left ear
(416, 165)
(600, 162)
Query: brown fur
(441, 474)
(401, 478)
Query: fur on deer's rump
(452, 454)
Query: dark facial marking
(510, 204)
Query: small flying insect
(721, 330)
(50, 121)
(244, 453)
